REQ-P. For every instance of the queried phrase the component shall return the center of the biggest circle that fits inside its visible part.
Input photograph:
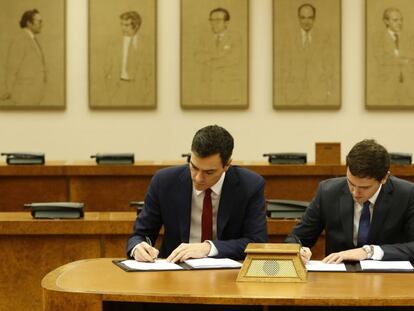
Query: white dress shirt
(378, 252)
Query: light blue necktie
(364, 223)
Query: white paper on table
(385, 265)
(318, 265)
(159, 264)
(209, 263)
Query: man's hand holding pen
(145, 252)
(305, 254)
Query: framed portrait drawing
(389, 54)
(122, 54)
(307, 54)
(214, 54)
(32, 54)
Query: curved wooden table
(85, 284)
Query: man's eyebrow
(367, 186)
(192, 164)
(197, 168)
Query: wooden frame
(389, 57)
(274, 263)
(32, 54)
(122, 71)
(307, 54)
(214, 54)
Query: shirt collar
(216, 188)
(133, 39)
(31, 35)
(393, 34)
(306, 35)
(374, 198)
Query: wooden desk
(84, 285)
(32, 247)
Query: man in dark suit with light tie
(208, 208)
(366, 215)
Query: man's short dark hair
(211, 140)
(368, 159)
(307, 5)
(224, 11)
(134, 16)
(27, 17)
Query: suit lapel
(381, 209)
(184, 205)
(346, 209)
(227, 200)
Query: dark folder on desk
(285, 208)
(23, 158)
(64, 210)
(223, 263)
(114, 158)
(399, 158)
(286, 158)
(139, 205)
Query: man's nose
(199, 176)
(355, 191)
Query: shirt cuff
(132, 251)
(378, 253)
(213, 250)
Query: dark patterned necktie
(207, 217)
(364, 223)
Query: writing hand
(354, 254)
(145, 252)
(185, 251)
(305, 254)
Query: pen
(297, 240)
(148, 240)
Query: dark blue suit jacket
(332, 210)
(241, 217)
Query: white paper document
(318, 265)
(210, 263)
(385, 265)
(159, 264)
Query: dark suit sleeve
(311, 225)
(149, 222)
(403, 251)
(253, 226)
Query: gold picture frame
(32, 54)
(122, 54)
(389, 74)
(307, 54)
(214, 54)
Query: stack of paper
(386, 265)
(318, 265)
(211, 263)
(159, 264)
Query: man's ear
(227, 166)
(384, 180)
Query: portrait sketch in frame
(390, 54)
(32, 54)
(122, 54)
(307, 54)
(214, 54)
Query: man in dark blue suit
(176, 199)
(366, 215)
